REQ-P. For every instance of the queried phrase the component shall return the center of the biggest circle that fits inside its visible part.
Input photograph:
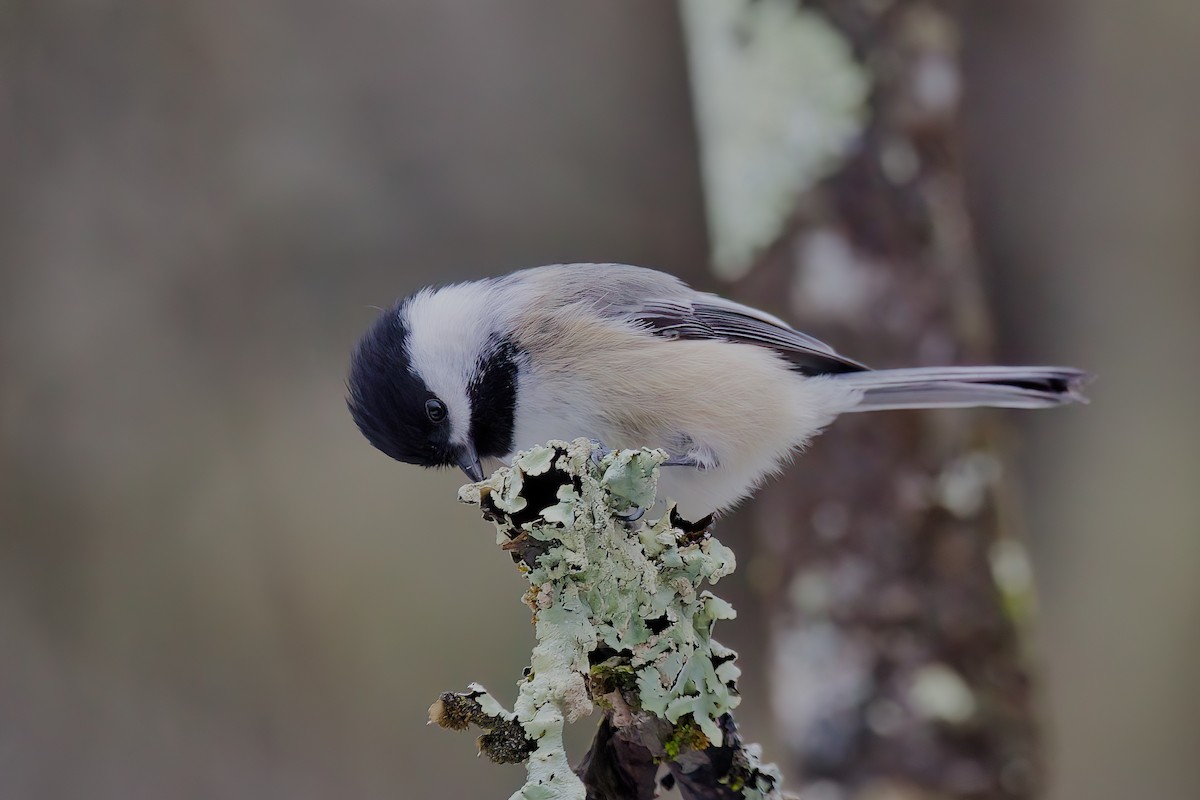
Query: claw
(679, 461)
(632, 515)
(700, 460)
(599, 451)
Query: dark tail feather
(965, 387)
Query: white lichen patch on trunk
(779, 100)
(597, 582)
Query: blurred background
(210, 585)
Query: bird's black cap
(388, 399)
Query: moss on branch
(504, 740)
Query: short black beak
(468, 461)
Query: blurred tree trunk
(892, 590)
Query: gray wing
(664, 306)
(705, 316)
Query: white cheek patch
(457, 405)
(448, 329)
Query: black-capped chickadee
(631, 357)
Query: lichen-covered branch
(622, 622)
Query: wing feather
(710, 317)
(665, 306)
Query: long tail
(964, 387)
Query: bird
(473, 372)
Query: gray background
(211, 586)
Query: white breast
(625, 388)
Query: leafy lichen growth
(755, 779)
(597, 585)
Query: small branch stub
(621, 622)
(504, 741)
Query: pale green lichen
(1013, 575)
(488, 704)
(760, 781)
(938, 692)
(779, 100)
(600, 583)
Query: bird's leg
(630, 515)
(681, 461)
(599, 451)
(699, 457)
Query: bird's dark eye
(435, 409)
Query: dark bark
(622, 763)
(718, 772)
(618, 767)
(882, 543)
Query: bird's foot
(700, 458)
(599, 451)
(630, 516)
